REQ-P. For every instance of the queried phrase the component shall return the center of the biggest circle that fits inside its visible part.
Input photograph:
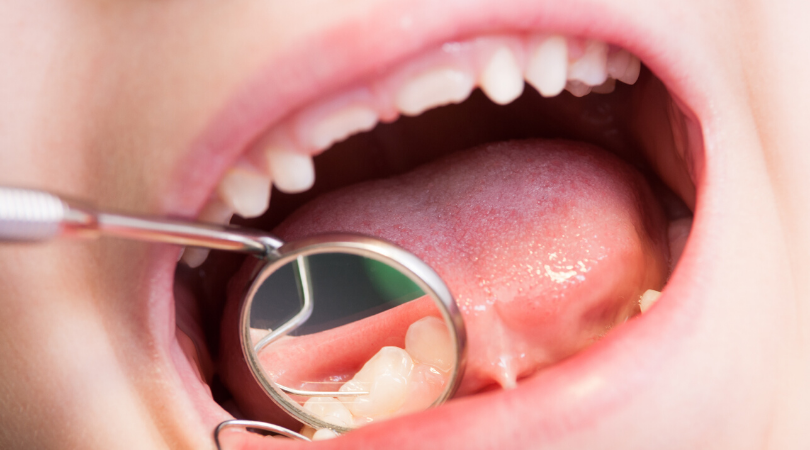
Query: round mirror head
(344, 330)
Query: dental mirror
(343, 330)
(340, 330)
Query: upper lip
(572, 394)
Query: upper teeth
(448, 74)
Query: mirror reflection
(374, 346)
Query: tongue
(546, 245)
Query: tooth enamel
(633, 70)
(428, 342)
(245, 191)
(425, 385)
(617, 63)
(385, 377)
(591, 67)
(502, 79)
(323, 434)
(216, 212)
(330, 410)
(292, 172)
(648, 299)
(605, 88)
(341, 124)
(547, 66)
(434, 88)
(307, 431)
(577, 88)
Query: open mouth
(534, 137)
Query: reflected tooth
(605, 88)
(428, 342)
(648, 299)
(385, 378)
(434, 88)
(292, 172)
(330, 410)
(216, 212)
(502, 79)
(324, 434)
(591, 67)
(633, 70)
(577, 88)
(245, 191)
(339, 125)
(547, 66)
(424, 387)
(617, 63)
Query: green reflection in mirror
(391, 284)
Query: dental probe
(29, 215)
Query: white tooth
(323, 434)
(617, 63)
(292, 172)
(633, 70)
(433, 88)
(648, 299)
(307, 431)
(591, 67)
(385, 378)
(605, 88)
(341, 124)
(330, 410)
(577, 88)
(428, 342)
(217, 212)
(424, 387)
(246, 191)
(502, 79)
(547, 66)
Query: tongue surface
(545, 245)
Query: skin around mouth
(546, 246)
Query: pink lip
(574, 395)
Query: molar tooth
(323, 434)
(502, 79)
(605, 88)
(434, 88)
(216, 212)
(591, 67)
(633, 70)
(385, 378)
(246, 191)
(617, 63)
(330, 410)
(428, 342)
(577, 88)
(547, 66)
(339, 125)
(292, 172)
(648, 299)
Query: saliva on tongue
(546, 245)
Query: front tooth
(648, 299)
(245, 191)
(633, 70)
(434, 88)
(216, 212)
(428, 342)
(591, 67)
(547, 66)
(292, 172)
(502, 79)
(577, 88)
(339, 125)
(330, 410)
(385, 378)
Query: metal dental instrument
(328, 293)
(254, 425)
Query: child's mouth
(643, 123)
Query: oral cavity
(499, 65)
